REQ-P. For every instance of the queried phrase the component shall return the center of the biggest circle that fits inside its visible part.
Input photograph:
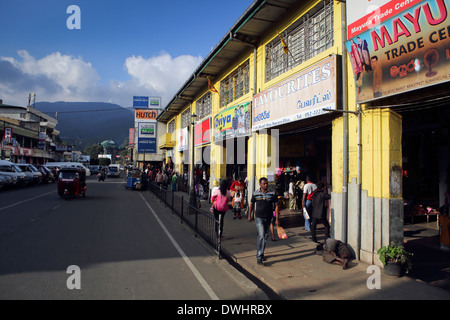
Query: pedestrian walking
(174, 181)
(238, 204)
(159, 178)
(308, 191)
(220, 198)
(264, 202)
(319, 213)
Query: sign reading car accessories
(301, 96)
(408, 52)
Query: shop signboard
(131, 136)
(147, 130)
(367, 14)
(140, 102)
(202, 132)
(8, 133)
(26, 152)
(146, 145)
(233, 122)
(182, 139)
(299, 97)
(405, 53)
(141, 115)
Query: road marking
(191, 266)
(24, 201)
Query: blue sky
(123, 48)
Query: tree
(93, 151)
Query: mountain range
(82, 124)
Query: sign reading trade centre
(407, 52)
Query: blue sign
(140, 102)
(147, 145)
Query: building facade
(29, 135)
(305, 87)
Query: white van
(68, 164)
(9, 169)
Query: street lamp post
(192, 196)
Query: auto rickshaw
(71, 182)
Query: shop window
(204, 106)
(235, 85)
(307, 37)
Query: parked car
(47, 174)
(33, 174)
(94, 169)
(8, 168)
(8, 181)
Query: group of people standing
(264, 208)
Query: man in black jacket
(319, 214)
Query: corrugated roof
(250, 27)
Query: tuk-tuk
(71, 182)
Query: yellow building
(279, 97)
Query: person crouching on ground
(263, 202)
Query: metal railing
(202, 223)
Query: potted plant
(395, 259)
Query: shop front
(290, 117)
(401, 71)
(231, 135)
(202, 144)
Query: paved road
(126, 245)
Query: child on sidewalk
(238, 204)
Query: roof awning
(243, 36)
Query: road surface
(113, 244)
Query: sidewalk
(295, 272)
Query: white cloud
(58, 77)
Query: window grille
(307, 37)
(171, 127)
(235, 85)
(186, 118)
(204, 106)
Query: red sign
(26, 152)
(131, 136)
(202, 132)
(8, 133)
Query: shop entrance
(305, 153)
(425, 143)
(236, 158)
